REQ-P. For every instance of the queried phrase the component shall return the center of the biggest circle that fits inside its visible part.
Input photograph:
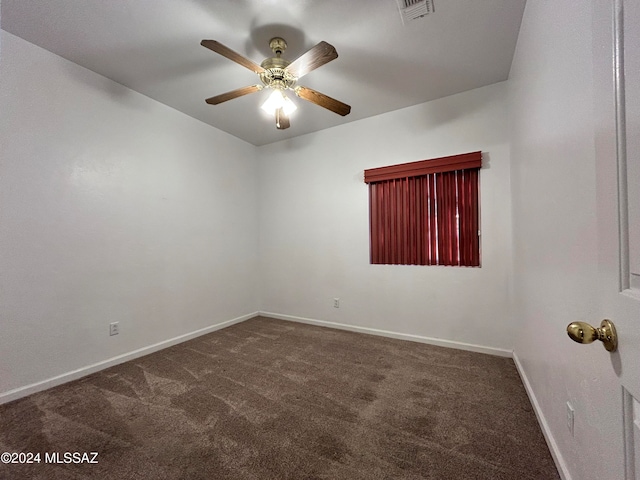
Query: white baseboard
(546, 431)
(89, 369)
(400, 336)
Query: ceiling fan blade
(282, 121)
(316, 57)
(231, 55)
(323, 100)
(223, 97)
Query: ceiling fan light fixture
(277, 100)
(280, 75)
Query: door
(616, 47)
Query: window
(426, 212)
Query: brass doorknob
(582, 332)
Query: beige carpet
(268, 399)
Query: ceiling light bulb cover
(277, 100)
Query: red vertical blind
(425, 213)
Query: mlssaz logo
(71, 457)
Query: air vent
(414, 9)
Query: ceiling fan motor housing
(275, 75)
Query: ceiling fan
(280, 75)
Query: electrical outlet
(336, 303)
(570, 415)
(114, 328)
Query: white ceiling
(153, 47)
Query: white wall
(314, 243)
(113, 207)
(555, 246)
